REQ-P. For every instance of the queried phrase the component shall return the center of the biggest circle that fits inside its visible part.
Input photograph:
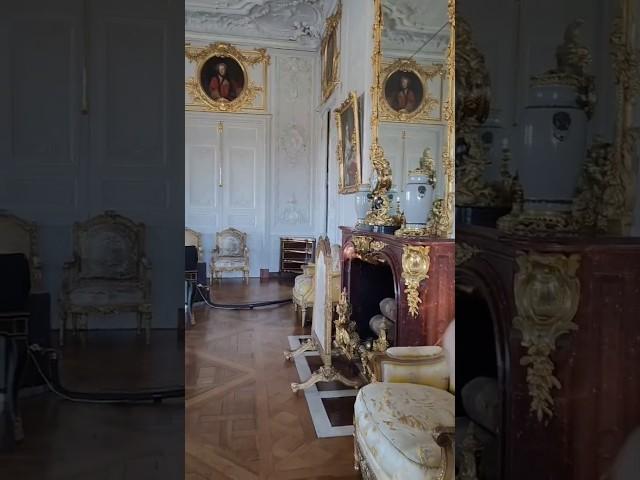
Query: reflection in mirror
(413, 125)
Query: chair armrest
(445, 437)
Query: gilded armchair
(404, 426)
(109, 273)
(230, 254)
(20, 236)
(303, 288)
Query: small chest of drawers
(296, 252)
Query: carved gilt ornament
(547, 295)
(246, 100)
(415, 269)
(427, 109)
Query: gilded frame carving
(425, 110)
(442, 214)
(244, 58)
(331, 29)
(351, 103)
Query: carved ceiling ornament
(245, 100)
(415, 269)
(547, 295)
(281, 22)
(409, 24)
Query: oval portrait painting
(403, 91)
(222, 78)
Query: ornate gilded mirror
(412, 124)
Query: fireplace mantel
(596, 363)
(434, 307)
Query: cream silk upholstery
(397, 420)
(303, 291)
(230, 253)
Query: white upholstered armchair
(404, 425)
(230, 254)
(109, 273)
(303, 289)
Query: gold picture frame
(239, 91)
(330, 53)
(348, 145)
(417, 105)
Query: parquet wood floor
(79, 441)
(242, 420)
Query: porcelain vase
(417, 200)
(554, 143)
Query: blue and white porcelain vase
(418, 193)
(363, 203)
(554, 143)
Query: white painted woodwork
(60, 165)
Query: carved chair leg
(245, 274)
(304, 315)
(74, 324)
(63, 326)
(82, 324)
(147, 328)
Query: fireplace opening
(369, 285)
(478, 392)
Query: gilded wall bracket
(547, 295)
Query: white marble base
(314, 397)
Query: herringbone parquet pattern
(243, 421)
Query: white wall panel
(59, 165)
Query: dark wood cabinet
(373, 269)
(296, 252)
(596, 364)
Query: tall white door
(225, 174)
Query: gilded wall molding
(547, 295)
(415, 269)
(246, 100)
(331, 77)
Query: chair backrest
(108, 246)
(20, 236)
(449, 347)
(193, 239)
(336, 260)
(322, 305)
(231, 243)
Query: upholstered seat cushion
(104, 293)
(229, 262)
(395, 424)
